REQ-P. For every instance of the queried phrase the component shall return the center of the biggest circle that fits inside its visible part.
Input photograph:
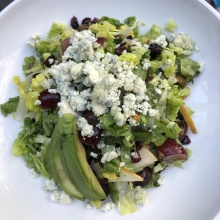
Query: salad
(103, 109)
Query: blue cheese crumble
(105, 76)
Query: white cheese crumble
(92, 154)
(105, 77)
(33, 173)
(89, 205)
(50, 185)
(86, 129)
(107, 206)
(139, 195)
(37, 102)
(82, 46)
(34, 39)
(122, 164)
(52, 91)
(184, 41)
(161, 181)
(146, 64)
(108, 156)
(161, 40)
(61, 197)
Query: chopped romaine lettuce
(112, 21)
(170, 25)
(130, 58)
(31, 65)
(10, 106)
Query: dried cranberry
(95, 20)
(86, 21)
(101, 41)
(155, 49)
(129, 37)
(124, 46)
(74, 22)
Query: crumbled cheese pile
(88, 79)
(57, 194)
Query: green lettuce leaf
(39, 164)
(130, 21)
(153, 181)
(28, 143)
(112, 21)
(171, 25)
(105, 29)
(51, 45)
(168, 62)
(126, 203)
(107, 123)
(130, 58)
(10, 106)
(154, 32)
(111, 166)
(189, 68)
(60, 30)
(114, 193)
(31, 65)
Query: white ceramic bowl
(192, 193)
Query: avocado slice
(75, 163)
(53, 160)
